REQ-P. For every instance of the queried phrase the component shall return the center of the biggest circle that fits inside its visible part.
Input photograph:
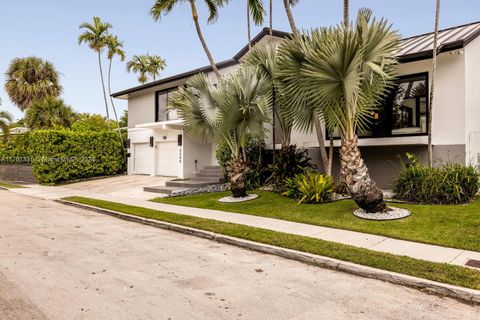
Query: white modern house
(158, 145)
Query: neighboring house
(158, 145)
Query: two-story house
(158, 145)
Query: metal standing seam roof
(411, 49)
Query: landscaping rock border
(392, 214)
(464, 295)
(198, 190)
(231, 199)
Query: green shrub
(63, 155)
(448, 184)
(15, 149)
(309, 187)
(289, 161)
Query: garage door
(141, 158)
(167, 158)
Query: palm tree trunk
(249, 27)
(103, 88)
(361, 187)
(288, 10)
(432, 88)
(202, 40)
(330, 155)
(110, 91)
(237, 169)
(321, 143)
(271, 18)
(345, 12)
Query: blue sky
(49, 29)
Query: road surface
(59, 262)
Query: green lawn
(452, 226)
(446, 273)
(10, 185)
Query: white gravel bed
(393, 214)
(231, 199)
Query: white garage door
(141, 158)
(167, 158)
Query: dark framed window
(161, 103)
(404, 112)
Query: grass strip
(10, 185)
(446, 273)
(455, 226)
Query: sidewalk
(368, 241)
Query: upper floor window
(161, 102)
(404, 111)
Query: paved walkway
(357, 239)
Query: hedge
(63, 155)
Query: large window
(404, 111)
(161, 102)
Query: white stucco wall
(201, 152)
(141, 109)
(472, 114)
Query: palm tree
(432, 87)
(139, 64)
(30, 79)
(346, 12)
(227, 114)
(287, 4)
(166, 6)
(6, 120)
(344, 72)
(155, 65)
(115, 48)
(256, 10)
(96, 36)
(270, 14)
(48, 113)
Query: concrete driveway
(62, 262)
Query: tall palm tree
(270, 14)
(48, 113)
(146, 65)
(30, 79)
(345, 72)
(166, 6)
(432, 87)
(155, 65)
(346, 12)
(227, 114)
(139, 64)
(6, 120)
(254, 9)
(115, 48)
(288, 4)
(96, 35)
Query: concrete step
(209, 179)
(190, 183)
(209, 175)
(164, 189)
(215, 171)
(213, 168)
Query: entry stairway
(209, 175)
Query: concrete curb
(465, 295)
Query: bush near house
(309, 187)
(15, 149)
(63, 155)
(448, 184)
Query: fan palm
(227, 114)
(166, 6)
(115, 48)
(30, 79)
(344, 72)
(48, 113)
(96, 36)
(432, 87)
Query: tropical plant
(49, 113)
(447, 184)
(264, 59)
(227, 113)
(124, 119)
(343, 73)
(254, 9)
(96, 36)
(310, 187)
(90, 122)
(432, 86)
(115, 48)
(31, 79)
(289, 162)
(166, 6)
(146, 65)
(6, 120)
